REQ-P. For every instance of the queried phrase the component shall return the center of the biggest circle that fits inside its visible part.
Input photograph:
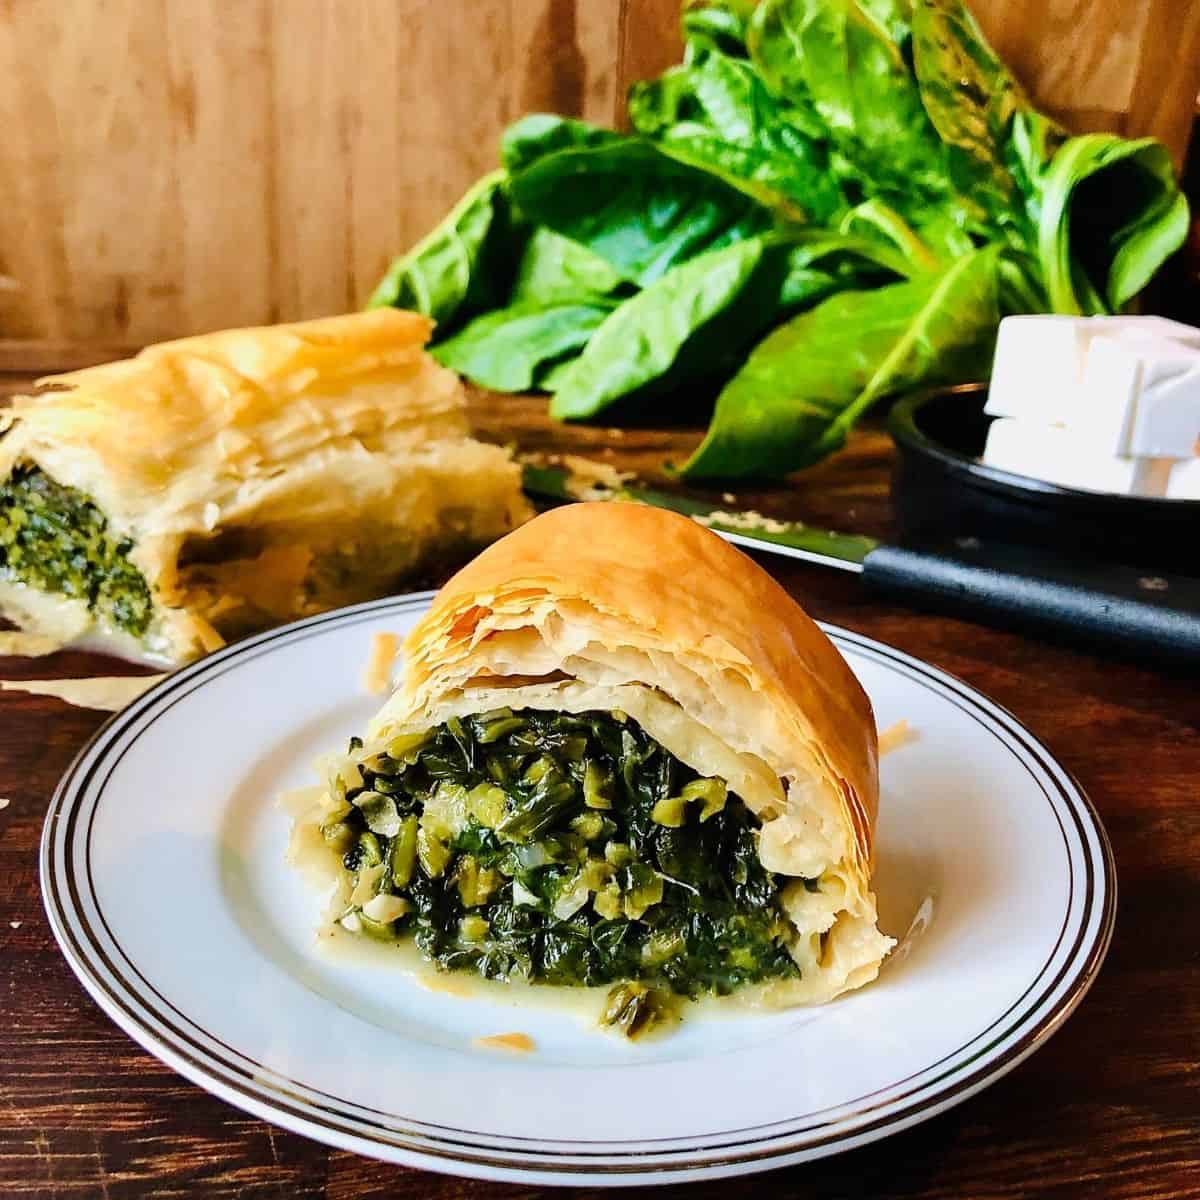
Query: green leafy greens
(454, 269)
(804, 386)
(55, 539)
(681, 259)
(560, 848)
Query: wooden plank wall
(170, 166)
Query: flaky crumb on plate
(517, 1043)
(898, 734)
(106, 693)
(378, 674)
(20, 644)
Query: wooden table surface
(1109, 1108)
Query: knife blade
(1124, 609)
(794, 539)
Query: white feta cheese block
(1108, 394)
(1040, 363)
(1185, 480)
(1159, 384)
(1155, 327)
(1069, 459)
(1038, 367)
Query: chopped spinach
(55, 539)
(567, 849)
(635, 1009)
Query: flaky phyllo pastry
(620, 755)
(210, 487)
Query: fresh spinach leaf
(460, 266)
(804, 386)
(894, 17)
(539, 134)
(1033, 142)
(656, 105)
(875, 220)
(555, 270)
(971, 98)
(775, 57)
(1021, 289)
(736, 105)
(717, 115)
(642, 340)
(833, 262)
(697, 322)
(836, 56)
(552, 377)
(508, 349)
(1110, 215)
(561, 294)
(717, 25)
(766, 177)
(640, 209)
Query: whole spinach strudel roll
(620, 755)
(213, 486)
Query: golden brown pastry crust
(623, 606)
(235, 419)
(687, 589)
(342, 428)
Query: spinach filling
(55, 539)
(564, 849)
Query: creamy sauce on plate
(585, 1003)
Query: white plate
(164, 878)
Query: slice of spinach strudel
(216, 485)
(620, 755)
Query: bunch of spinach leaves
(826, 202)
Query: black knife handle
(1139, 613)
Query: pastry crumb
(14, 924)
(28, 645)
(751, 522)
(518, 1043)
(4, 803)
(895, 736)
(445, 984)
(591, 480)
(378, 675)
(107, 693)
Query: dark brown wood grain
(1110, 1108)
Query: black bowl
(941, 489)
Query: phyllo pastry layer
(216, 485)
(620, 754)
